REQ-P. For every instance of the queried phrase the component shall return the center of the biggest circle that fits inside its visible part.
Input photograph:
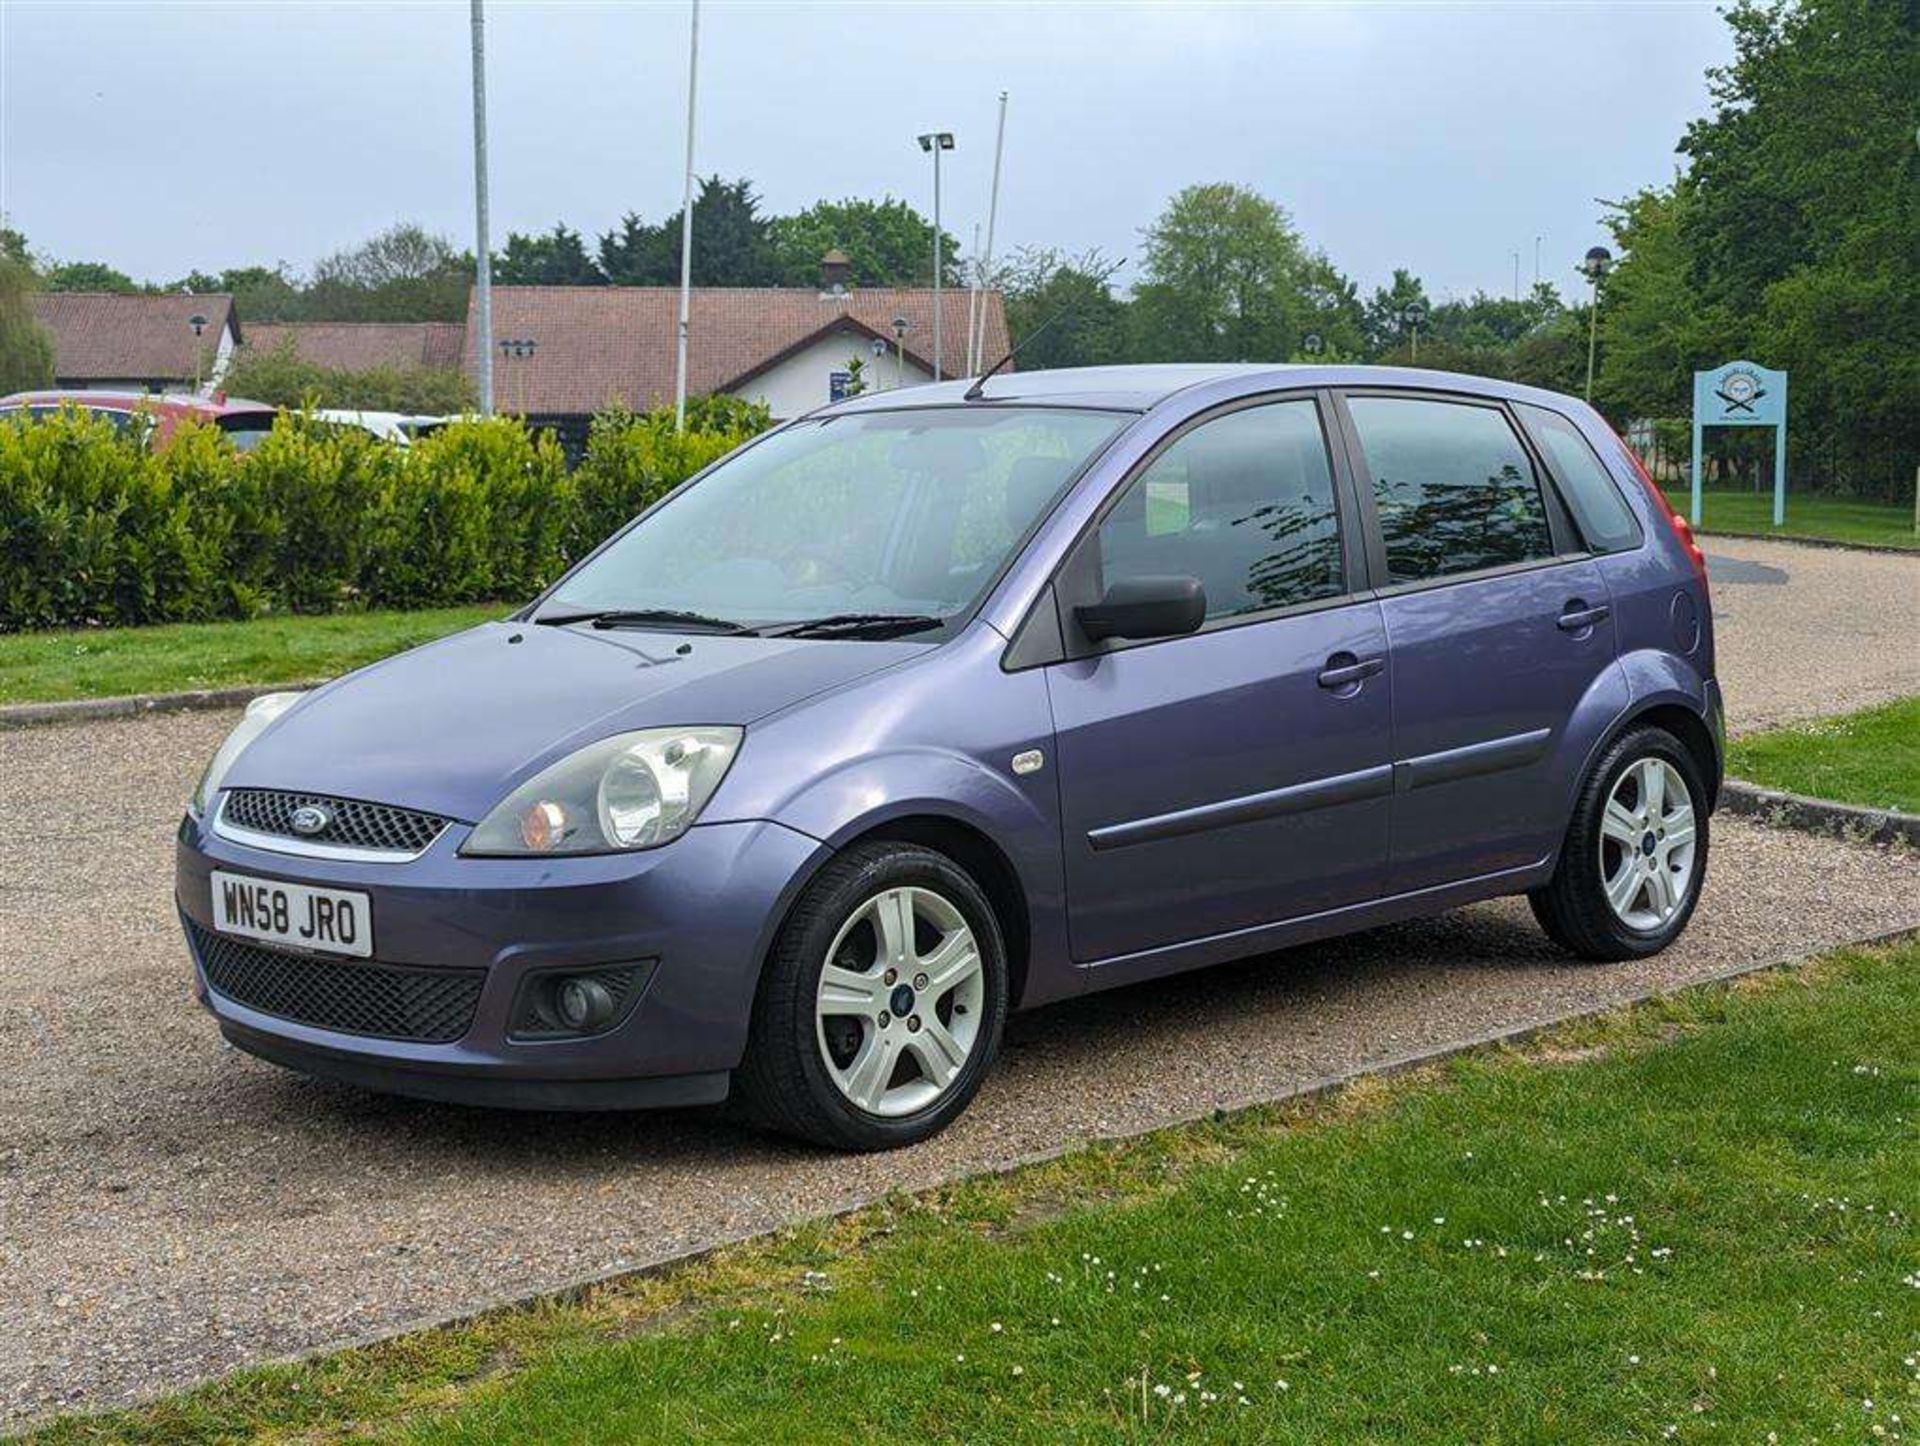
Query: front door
(1496, 632)
(1239, 775)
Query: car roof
(1140, 387)
(218, 404)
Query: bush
(633, 461)
(96, 529)
(282, 377)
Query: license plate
(335, 921)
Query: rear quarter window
(1605, 520)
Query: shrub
(633, 461)
(282, 377)
(96, 529)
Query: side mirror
(1145, 607)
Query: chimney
(836, 271)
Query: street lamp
(198, 322)
(934, 142)
(1594, 265)
(901, 326)
(520, 347)
(1411, 315)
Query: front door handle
(1578, 617)
(1345, 671)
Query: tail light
(1681, 527)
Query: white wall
(804, 380)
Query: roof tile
(597, 346)
(109, 335)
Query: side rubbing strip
(1300, 797)
(1476, 758)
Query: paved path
(170, 1209)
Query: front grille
(351, 823)
(386, 1001)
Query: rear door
(1238, 775)
(1498, 623)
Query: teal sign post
(1741, 394)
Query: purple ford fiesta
(945, 702)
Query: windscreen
(908, 512)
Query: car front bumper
(698, 915)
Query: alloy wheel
(899, 1004)
(1647, 844)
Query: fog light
(583, 1004)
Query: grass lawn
(1836, 518)
(1871, 758)
(113, 662)
(1693, 1221)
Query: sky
(161, 137)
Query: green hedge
(96, 529)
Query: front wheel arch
(969, 847)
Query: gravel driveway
(1806, 631)
(170, 1208)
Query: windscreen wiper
(669, 618)
(870, 625)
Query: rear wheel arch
(1684, 723)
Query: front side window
(1606, 522)
(1244, 503)
(908, 512)
(1454, 488)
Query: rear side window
(1606, 522)
(1244, 503)
(1453, 486)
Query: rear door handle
(1578, 617)
(1344, 670)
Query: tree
(887, 241)
(1788, 238)
(405, 273)
(1332, 311)
(264, 293)
(558, 258)
(636, 253)
(732, 243)
(1381, 320)
(1223, 279)
(1085, 323)
(1658, 327)
(86, 276)
(26, 348)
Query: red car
(245, 422)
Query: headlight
(631, 791)
(260, 712)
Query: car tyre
(1635, 854)
(829, 1059)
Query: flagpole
(973, 297)
(686, 229)
(483, 257)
